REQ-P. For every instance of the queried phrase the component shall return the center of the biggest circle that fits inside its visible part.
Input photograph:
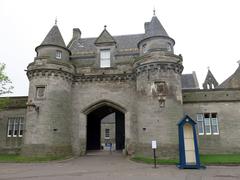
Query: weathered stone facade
(137, 77)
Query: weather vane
(154, 11)
(56, 21)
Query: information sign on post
(154, 147)
(154, 144)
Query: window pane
(107, 133)
(15, 127)
(10, 127)
(105, 63)
(215, 129)
(207, 125)
(58, 54)
(105, 58)
(200, 124)
(206, 115)
(20, 132)
(105, 54)
(214, 115)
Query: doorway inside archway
(105, 126)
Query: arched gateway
(95, 114)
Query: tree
(5, 83)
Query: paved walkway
(104, 166)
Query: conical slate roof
(233, 81)
(54, 37)
(155, 28)
(105, 37)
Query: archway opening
(105, 125)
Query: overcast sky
(207, 32)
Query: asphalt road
(105, 166)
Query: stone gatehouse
(137, 77)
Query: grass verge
(149, 160)
(206, 159)
(220, 159)
(11, 158)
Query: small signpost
(154, 147)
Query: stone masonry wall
(10, 145)
(49, 128)
(226, 104)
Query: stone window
(207, 124)
(58, 54)
(40, 92)
(105, 58)
(15, 127)
(107, 133)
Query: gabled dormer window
(105, 58)
(58, 54)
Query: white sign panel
(154, 144)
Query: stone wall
(226, 104)
(14, 107)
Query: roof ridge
(114, 36)
(227, 83)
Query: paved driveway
(110, 167)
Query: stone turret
(155, 38)
(48, 120)
(158, 83)
(53, 46)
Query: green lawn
(149, 160)
(220, 159)
(22, 159)
(210, 159)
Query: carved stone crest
(159, 90)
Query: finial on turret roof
(105, 26)
(56, 21)
(208, 68)
(154, 11)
